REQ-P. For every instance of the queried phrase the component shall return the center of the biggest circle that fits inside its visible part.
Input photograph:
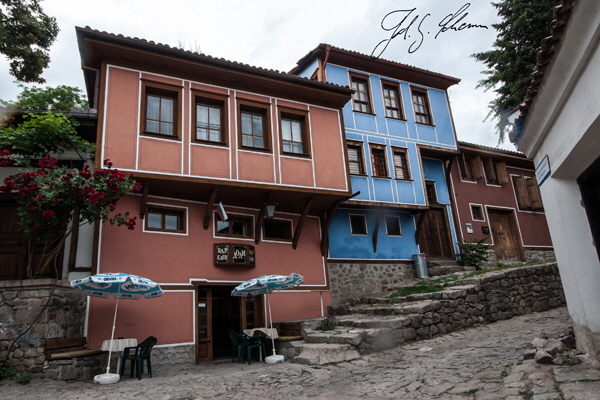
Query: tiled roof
(493, 149)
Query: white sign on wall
(542, 171)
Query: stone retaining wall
(32, 311)
(355, 280)
(172, 356)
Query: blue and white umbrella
(264, 285)
(120, 286)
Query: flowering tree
(51, 196)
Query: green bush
(6, 371)
(473, 253)
(25, 378)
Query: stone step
(440, 270)
(324, 353)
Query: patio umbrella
(264, 285)
(120, 286)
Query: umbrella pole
(112, 336)
(271, 318)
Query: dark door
(433, 234)
(507, 243)
(589, 184)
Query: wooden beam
(209, 207)
(144, 205)
(301, 222)
(327, 222)
(376, 229)
(74, 240)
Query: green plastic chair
(250, 343)
(136, 355)
(236, 345)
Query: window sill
(421, 123)
(210, 143)
(262, 150)
(287, 154)
(381, 177)
(363, 112)
(161, 136)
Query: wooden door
(507, 242)
(434, 235)
(204, 350)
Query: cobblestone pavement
(481, 363)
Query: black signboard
(227, 254)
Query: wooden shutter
(355, 160)
(464, 168)
(378, 161)
(522, 193)
(490, 172)
(502, 173)
(534, 194)
(476, 169)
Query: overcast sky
(275, 34)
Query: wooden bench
(69, 348)
(289, 331)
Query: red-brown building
(197, 131)
(496, 196)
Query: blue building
(400, 140)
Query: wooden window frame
(363, 222)
(357, 104)
(210, 99)
(527, 193)
(360, 162)
(247, 219)
(288, 229)
(473, 207)
(376, 167)
(397, 217)
(470, 168)
(263, 109)
(166, 210)
(430, 187)
(167, 91)
(291, 114)
(403, 154)
(491, 177)
(426, 114)
(395, 87)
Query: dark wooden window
(527, 193)
(431, 192)
(470, 167)
(361, 100)
(355, 159)
(162, 219)
(210, 117)
(392, 225)
(236, 225)
(378, 161)
(358, 225)
(278, 229)
(254, 125)
(421, 106)
(294, 132)
(392, 101)
(401, 169)
(490, 172)
(160, 110)
(477, 212)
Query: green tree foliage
(26, 34)
(512, 60)
(61, 98)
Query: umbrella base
(274, 359)
(106, 378)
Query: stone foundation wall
(32, 311)
(170, 356)
(530, 256)
(354, 280)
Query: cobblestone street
(480, 363)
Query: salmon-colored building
(197, 132)
(496, 197)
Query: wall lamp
(269, 210)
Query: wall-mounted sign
(542, 171)
(227, 254)
(485, 230)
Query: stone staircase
(438, 267)
(381, 323)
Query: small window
(277, 229)
(378, 161)
(236, 225)
(254, 126)
(491, 177)
(477, 212)
(358, 225)
(160, 110)
(294, 132)
(355, 159)
(401, 169)
(421, 106)
(528, 193)
(392, 101)
(470, 167)
(165, 220)
(392, 225)
(361, 100)
(431, 192)
(210, 117)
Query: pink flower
(48, 214)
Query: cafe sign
(231, 254)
